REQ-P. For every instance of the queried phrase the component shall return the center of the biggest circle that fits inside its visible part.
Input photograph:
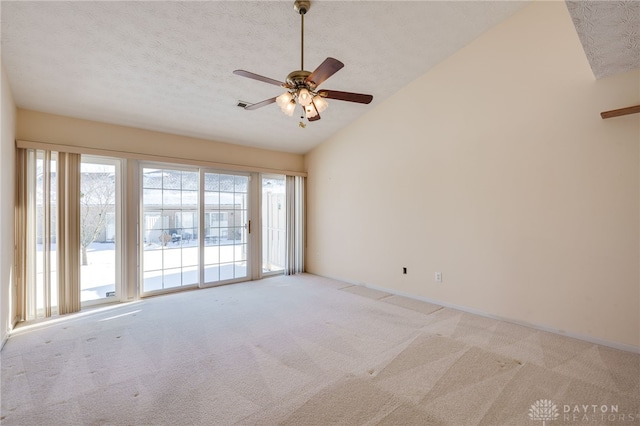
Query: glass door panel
(99, 204)
(170, 228)
(225, 227)
(274, 230)
(171, 233)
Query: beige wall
(40, 127)
(7, 190)
(495, 169)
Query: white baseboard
(586, 338)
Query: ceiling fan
(302, 85)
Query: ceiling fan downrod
(302, 7)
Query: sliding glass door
(173, 246)
(89, 221)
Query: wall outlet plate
(438, 277)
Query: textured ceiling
(610, 34)
(168, 66)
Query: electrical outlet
(438, 277)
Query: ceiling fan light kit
(302, 85)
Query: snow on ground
(173, 265)
(176, 264)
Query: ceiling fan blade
(329, 67)
(346, 96)
(248, 74)
(261, 104)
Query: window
(170, 211)
(274, 224)
(42, 225)
(99, 229)
(190, 228)
(48, 209)
(226, 225)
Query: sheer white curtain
(295, 225)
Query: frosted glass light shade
(289, 108)
(284, 99)
(304, 97)
(320, 103)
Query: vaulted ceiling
(610, 34)
(168, 66)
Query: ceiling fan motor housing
(296, 79)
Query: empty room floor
(306, 350)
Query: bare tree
(97, 198)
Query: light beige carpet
(306, 350)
